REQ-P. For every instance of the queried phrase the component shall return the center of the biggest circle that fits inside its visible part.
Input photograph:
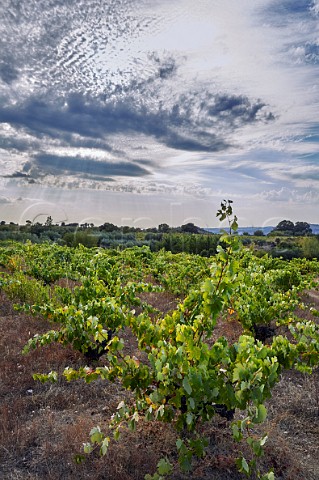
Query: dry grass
(43, 426)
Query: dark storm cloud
(93, 143)
(54, 164)
(187, 144)
(15, 143)
(177, 126)
(237, 108)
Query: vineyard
(135, 364)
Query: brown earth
(43, 426)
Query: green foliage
(310, 247)
(185, 271)
(90, 315)
(286, 227)
(185, 377)
(200, 244)
(275, 287)
(20, 288)
(80, 238)
(164, 467)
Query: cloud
(160, 96)
(238, 110)
(8, 73)
(167, 67)
(5, 200)
(195, 121)
(57, 165)
(287, 10)
(288, 195)
(298, 25)
(87, 77)
(280, 195)
(306, 53)
(315, 8)
(17, 175)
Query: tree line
(287, 239)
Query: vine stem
(221, 275)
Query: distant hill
(265, 230)
(315, 228)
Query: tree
(48, 222)
(190, 228)
(302, 229)
(259, 233)
(163, 228)
(286, 227)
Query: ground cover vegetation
(160, 338)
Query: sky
(141, 112)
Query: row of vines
(184, 375)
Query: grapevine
(185, 375)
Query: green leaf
(185, 464)
(187, 386)
(268, 476)
(79, 458)
(255, 446)
(164, 467)
(234, 224)
(261, 414)
(242, 465)
(104, 445)
(189, 418)
(237, 433)
(179, 443)
(239, 373)
(156, 476)
(132, 425)
(87, 447)
(198, 445)
(96, 435)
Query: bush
(310, 247)
(83, 238)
